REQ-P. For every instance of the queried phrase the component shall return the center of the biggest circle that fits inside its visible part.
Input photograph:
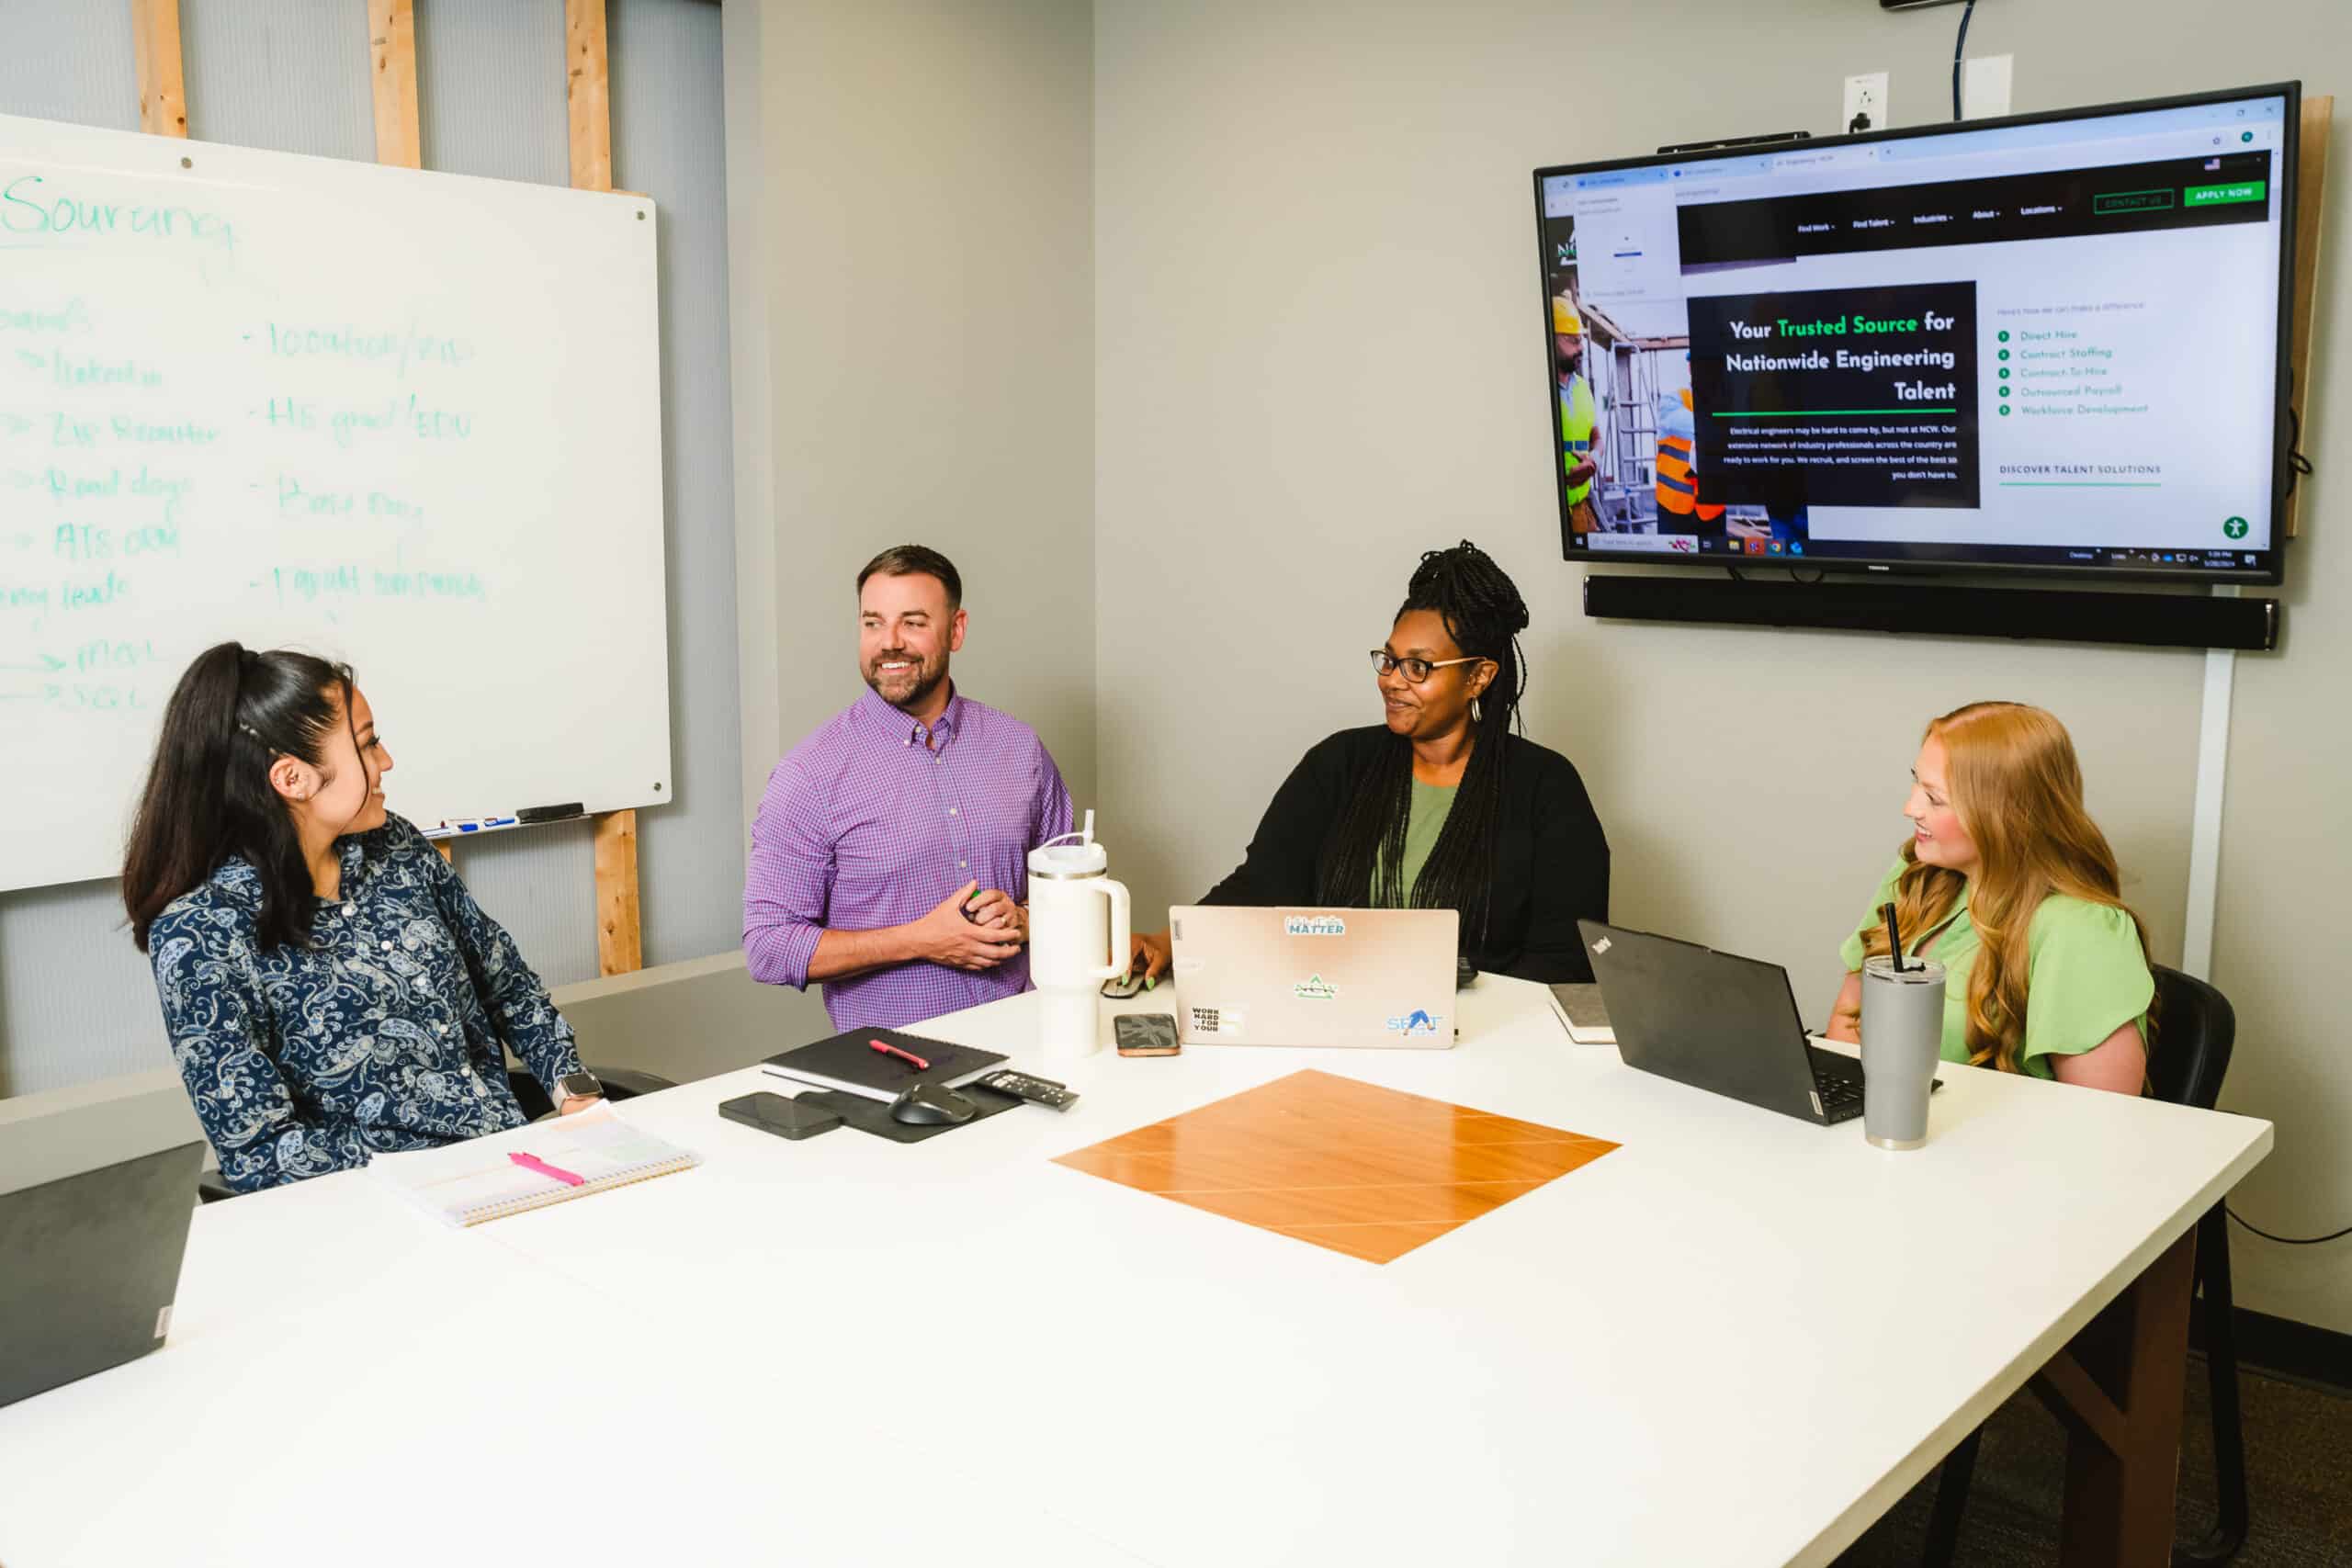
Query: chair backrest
(2196, 1029)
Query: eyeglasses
(1416, 669)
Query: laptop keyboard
(1839, 1080)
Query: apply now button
(2214, 195)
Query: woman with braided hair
(1442, 807)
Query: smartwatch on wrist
(577, 1086)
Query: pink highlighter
(532, 1162)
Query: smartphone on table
(1146, 1033)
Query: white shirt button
(960, 865)
(440, 1029)
(950, 811)
(351, 908)
(388, 947)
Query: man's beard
(922, 680)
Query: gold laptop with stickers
(1315, 977)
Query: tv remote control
(1036, 1091)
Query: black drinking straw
(1893, 937)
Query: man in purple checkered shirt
(890, 859)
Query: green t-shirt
(1432, 804)
(2086, 975)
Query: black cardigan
(1550, 862)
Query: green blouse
(2085, 977)
(1432, 804)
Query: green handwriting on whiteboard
(399, 347)
(70, 317)
(88, 370)
(347, 580)
(302, 500)
(393, 416)
(30, 205)
(79, 696)
(92, 593)
(83, 542)
(92, 485)
(79, 434)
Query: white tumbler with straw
(1079, 925)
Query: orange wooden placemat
(1369, 1171)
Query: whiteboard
(408, 420)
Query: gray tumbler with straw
(1903, 1035)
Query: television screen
(2051, 344)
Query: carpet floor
(2298, 1476)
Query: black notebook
(850, 1063)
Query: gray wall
(76, 1000)
(919, 216)
(1317, 355)
(925, 183)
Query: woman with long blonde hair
(2008, 884)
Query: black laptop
(1720, 1022)
(88, 1267)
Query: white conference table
(1735, 1340)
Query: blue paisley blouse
(385, 1033)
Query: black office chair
(2196, 1030)
(620, 1083)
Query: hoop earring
(1475, 716)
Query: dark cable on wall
(1959, 47)
(2298, 465)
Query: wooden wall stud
(392, 57)
(2310, 180)
(620, 947)
(163, 81)
(588, 91)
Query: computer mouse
(928, 1105)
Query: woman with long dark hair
(330, 988)
(2007, 883)
(1444, 806)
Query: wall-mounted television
(2052, 344)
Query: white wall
(1317, 353)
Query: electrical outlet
(1985, 87)
(1865, 104)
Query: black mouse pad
(874, 1116)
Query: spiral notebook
(470, 1183)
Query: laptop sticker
(1418, 1023)
(1217, 1021)
(1314, 925)
(1314, 988)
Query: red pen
(889, 1050)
